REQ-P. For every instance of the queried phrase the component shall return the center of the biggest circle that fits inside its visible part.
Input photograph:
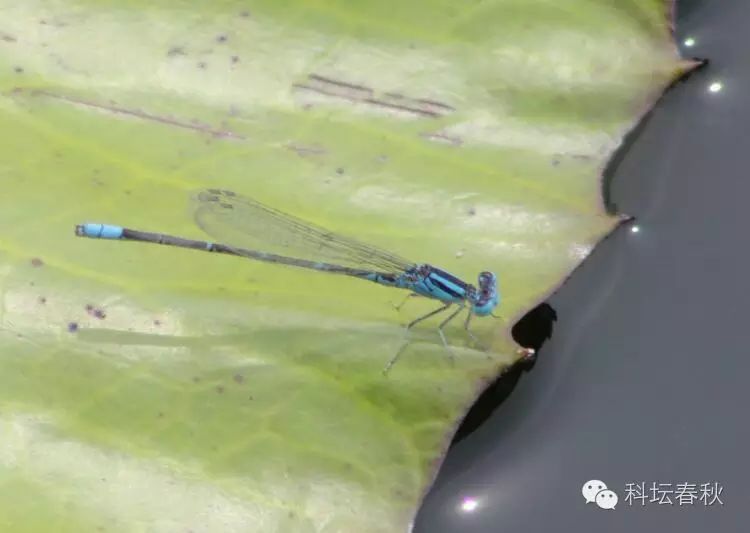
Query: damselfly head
(487, 296)
(487, 280)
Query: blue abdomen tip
(99, 231)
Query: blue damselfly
(255, 231)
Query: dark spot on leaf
(36, 262)
(245, 14)
(220, 389)
(18, 70)
(202, 65)
(42, 300)
(235, 59)
(239, 378)
(73, 327)
(291, 514)
(250, 398)
(128, 191)
(160, 414)
(89, 308)
(157, 322)
(176, 51)
(555, 162)
(340, 171)
(196, 379)
(8, 38)
(471, 211)
(100, 314)
(221, 38)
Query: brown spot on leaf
(36, 262)
(239, 378)
(176, 51)
(42, 300)
(220, 389)
(221, 38)
(357, 93)
(140, 114)
(72, 327)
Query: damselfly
(252, 230)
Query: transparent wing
(242, 222)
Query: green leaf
(207, 393)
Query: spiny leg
(470, 334)
(408, 327)
(408, 296)
(442, 334)
(428, 315)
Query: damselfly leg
(474, 337)
(444, 323)
(409, 296)
(441, 331)
(406, 331)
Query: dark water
(644, 378)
